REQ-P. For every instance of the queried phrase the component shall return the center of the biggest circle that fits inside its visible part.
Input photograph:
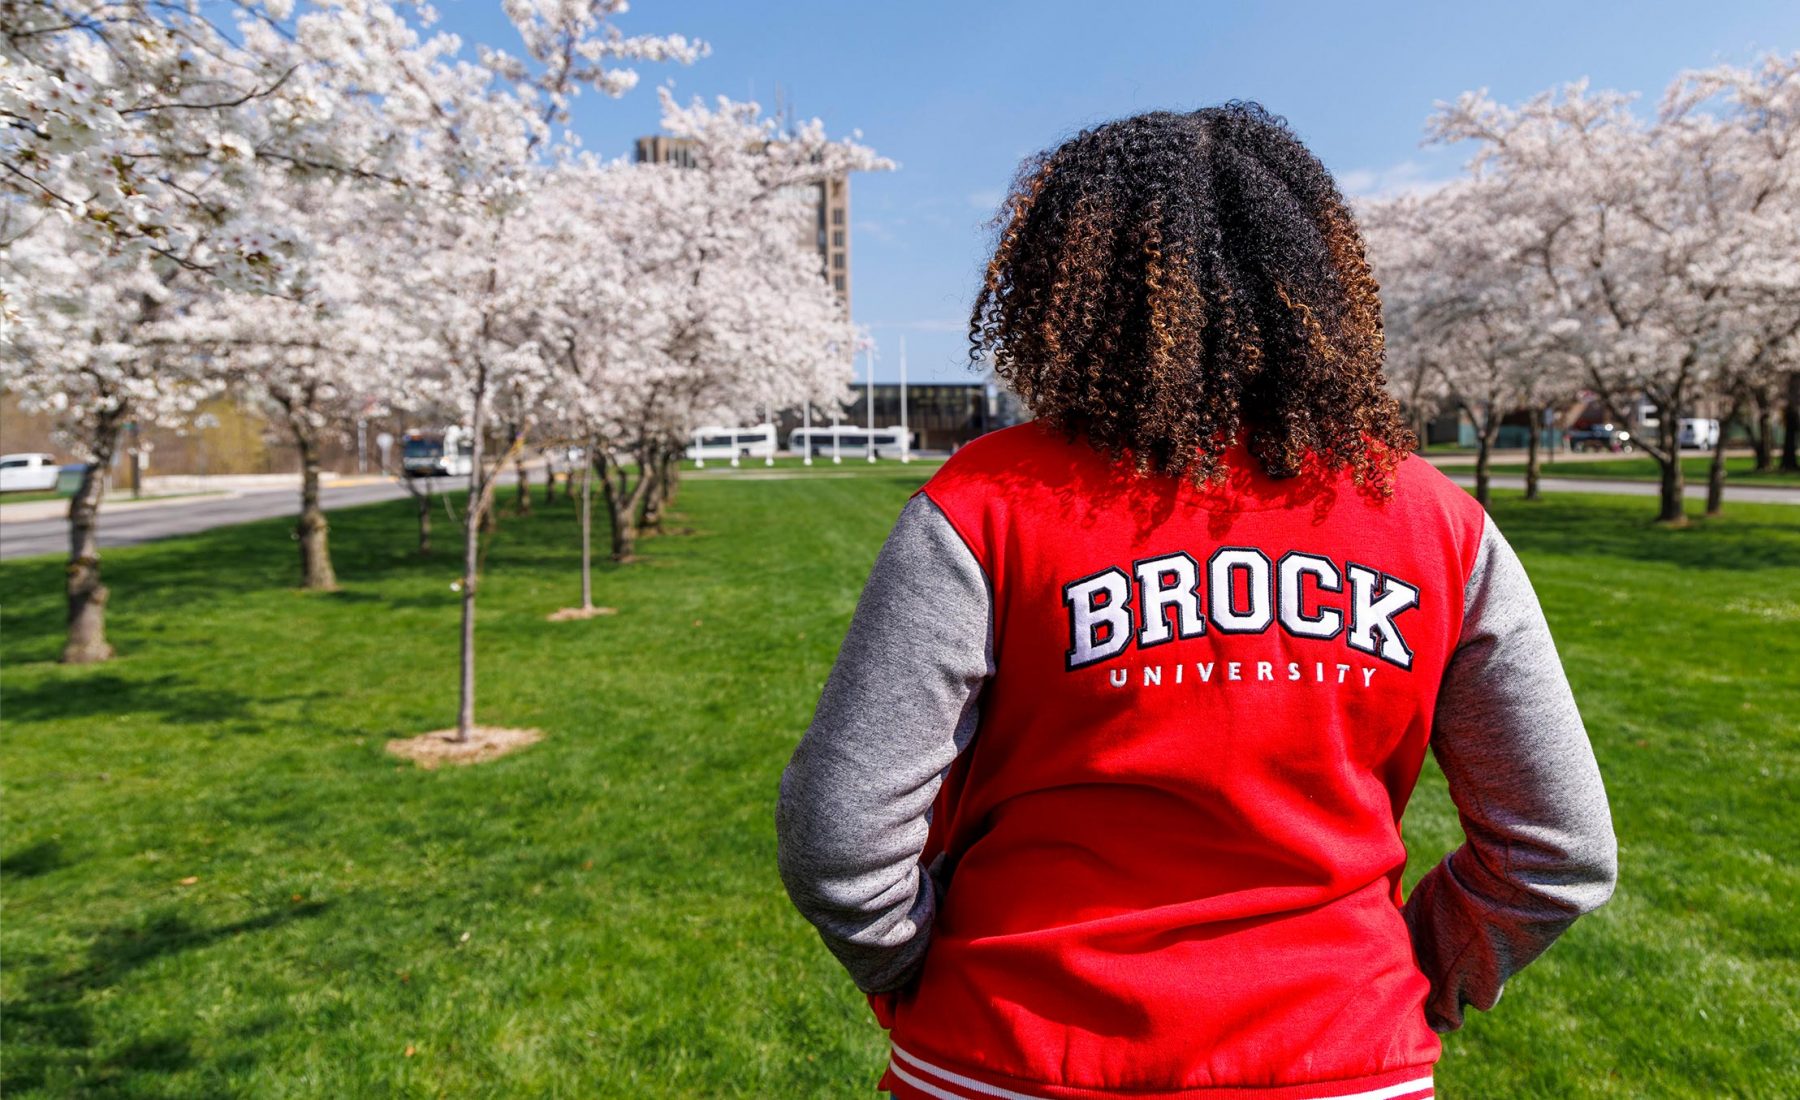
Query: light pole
(905, 433)
(869, 400)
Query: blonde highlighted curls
(1166, 284)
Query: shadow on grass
(51, 1030)
(374, 542)
(33, 860)
(1573, 528)
(170, 697)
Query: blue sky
(959, 93)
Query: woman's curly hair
(1167, 283)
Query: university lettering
(1239, 590)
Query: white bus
(447, 454)
(756, 441)
(850, 441)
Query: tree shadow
(50, 1027)
(33, 860)
(168, 697)
(1574, 529)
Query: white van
(849, 441)
(1700, 433)
(32, 472)
(757, 441)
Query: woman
(1103, 795)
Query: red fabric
(1173, 886)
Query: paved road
(1749, 494)
(126, 527)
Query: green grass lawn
(27, 496)
(599, 915)
(1739, 470)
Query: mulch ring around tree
(570, 614)
(428, 750)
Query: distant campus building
(828, 230)
(941, 415)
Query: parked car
(1600, 437)
(1699, 432)
(30, 472)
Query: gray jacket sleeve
(1539, 849)
(899, 706)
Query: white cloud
(987, 199)
(1408, 177)
(876, 230)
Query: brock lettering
(1238, 591)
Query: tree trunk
(86, 643)
(620, 512)
(524, 476)
(1790, 426)
(1668, 455)
(488, 519)
(316, 574)
(624, 500)
(1715, 473)
(1484, 443)
(549, 481)
(1533, 473)
(472, 518)
(656, 496)
(671, 477)
(586, 504)
(1762, 434)
(424, 502)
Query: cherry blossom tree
(489, 129)
(77, 356)
(699, 300)
(1472, 310)
(1750, 167)
(1650, 232)
(312, 365)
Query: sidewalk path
(1749, 494)
(129, 522)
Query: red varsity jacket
(1169, 864)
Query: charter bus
(450, 453)
(756, 441)
(849, 441)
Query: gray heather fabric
(899, 705)
(1540, 849)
